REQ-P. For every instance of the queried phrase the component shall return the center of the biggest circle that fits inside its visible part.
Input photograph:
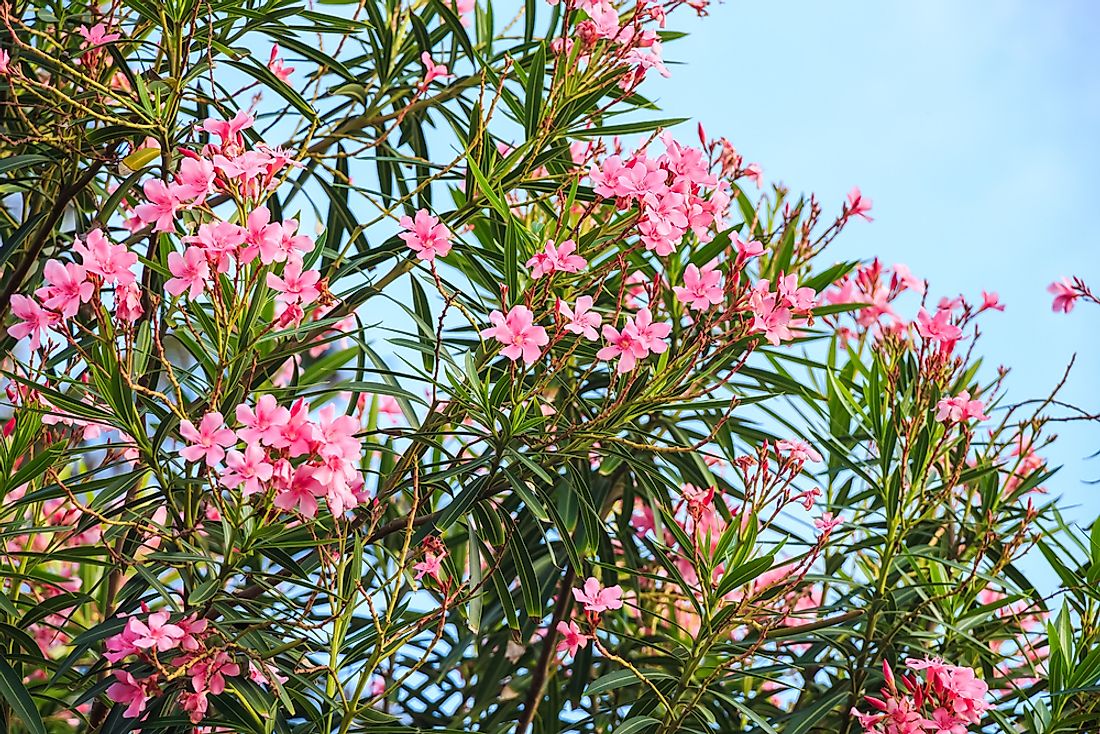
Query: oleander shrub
(395, 366)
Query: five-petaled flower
(516, 330)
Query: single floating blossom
(432, 70)
(581, 319)
(960, 408)
(572, 639)
(597, 599)
(425, 235)
(1065, 295)
(281, 71)
(518, 332)
(858, 205)
(208, 441)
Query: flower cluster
(594, 599)
(296, 458)
(675, 193)
(185, 648)
(949, 700)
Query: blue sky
(973, 127)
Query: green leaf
(15, 693)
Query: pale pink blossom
(581, 319)
(250, 469)
(134, 694)
(425, 235)
(161, 205)
(518, 332)
(33, 320)
(431, 565)
(858, 204)
(67, 287)
(572, 639)
(597, 599)
(938, 328)
(702, 288)
(1065, 295)
(155, 633)
(100, 257)
(960, 408)
(432, 70)
(264, 423)
(797, 451)
(208, 441)
(556, 259)
(295, 286)
(277, 67)
(190, 270)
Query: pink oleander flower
(67, 287)
(518, 332)
(220, 241)
(110, 262)
(597, 599)
(5, 63)
(430, 566)
(156, 633)
(904, 279)
(651, 336)
(264, 423)
(295, 286)
(624, 345)
(991, 301)
(301, 493)
(572, 639)
(97, 35)
(581, 319)
(938, 328)
(208, 441)
(960, 408)
(797, 451)
(858, 204)
(131, 692)
(33, 320)
(559, 259)
(432, 70)
(161, 206)
(1065, 295)
(425, 235)
(277, 67)
(827, 523)
(194, 181)
(250, 469)
(209, 676)
(702, 288)
(747, 250)
(229, 130)
(191, 270)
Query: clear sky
(975, 129)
